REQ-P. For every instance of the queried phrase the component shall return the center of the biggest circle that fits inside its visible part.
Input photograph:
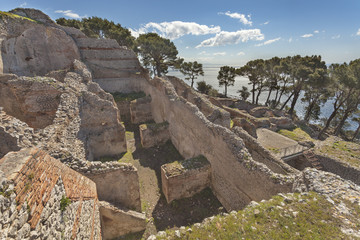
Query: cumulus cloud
(290, 40)
(227, 38)
(268, 42)
(336, 37)
(266, 23)
(242, 18)
(23, 4)
(219, 54)
(358, 32)
(69, 13)
(177, 29)
(240, 54)
(307, 35)
(316, 31)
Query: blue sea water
(210, 77)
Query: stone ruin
(57, 120)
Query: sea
(210, 77)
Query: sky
(229, 32)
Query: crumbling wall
(118, 186)
(32, 100)
(339, 168)
(117, 222)
(212, 112)
(185, 178)
(140, 110)
(36, 187)
(236, 178)
(261, 154)
(154, 134)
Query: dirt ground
(160, 214)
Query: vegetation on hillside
(293, 216)
(96, 27)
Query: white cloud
(266, 23)
(203, 53)
(205, 59)
(23, 4)
(69, 13)
(316, 31)
(226, 38)
(290, 40)
(358, 32)
(136, 33)
(177, 29)
(336, 37)
(220, 54)
(240, 54)
(307, 35)
(187, 47)
(268, 42)
(242, 18)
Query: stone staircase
(313, 160)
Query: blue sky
(229, 32)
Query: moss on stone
(297, 134)
(180, 167)
(127, 97)
(15, 16)
(307, 216)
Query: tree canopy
(192, 70)
(226, 77)
(96, 27)
(157, 53)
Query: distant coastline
(210, 77)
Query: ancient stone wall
(236, 178)
(185, 178)
(117, 222)
(340, 168)
(118, 186)
(32, 100)
(140, 110)
(213, 113)
(261, 154)
(34, 206)
(154, 134)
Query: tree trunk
(158, 70)
(356, 133)
(342, 122)
(293, 103)
(287, 100)
(257, 96)
(308, 111)
(333, 114)
(225, 90)
(268, 97)
(192, 82)
(281, 94)
(253, 94)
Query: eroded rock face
(29, 48)
(38, 50)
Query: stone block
(185, 178)
(154, 134)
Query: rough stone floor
(162, 215)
